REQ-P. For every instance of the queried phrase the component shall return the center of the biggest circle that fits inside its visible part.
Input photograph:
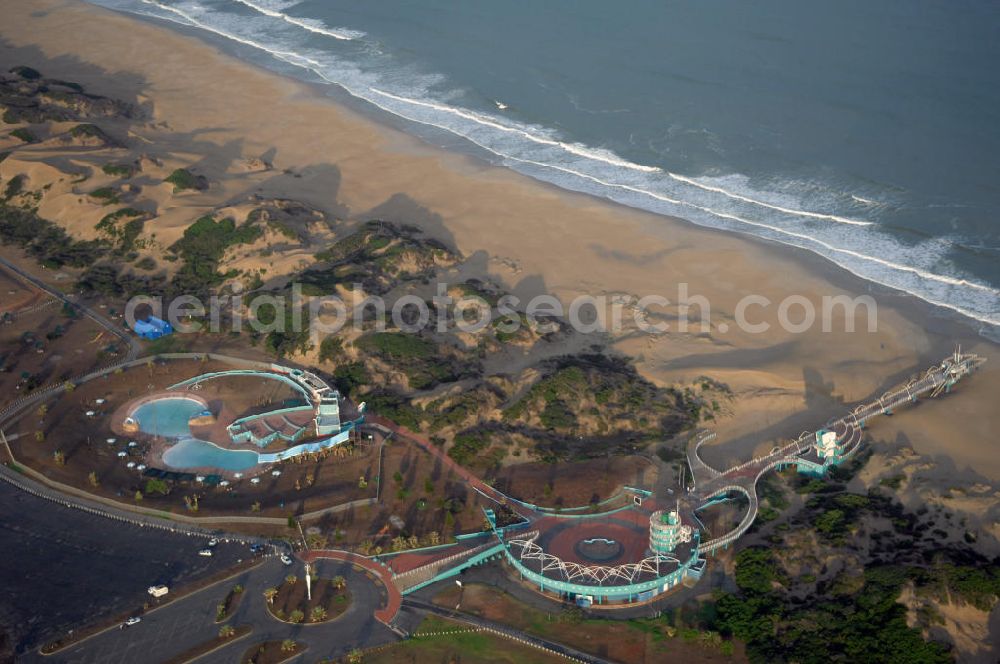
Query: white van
(158, 591)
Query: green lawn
(468, 648)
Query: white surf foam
(312, 25)
(718, 202)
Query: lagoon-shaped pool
(167, 417)
(194, 453)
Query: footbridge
(709, 483)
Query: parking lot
(64, 568)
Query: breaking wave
(728, 202)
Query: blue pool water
(194, 453)
(167, 417)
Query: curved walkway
(387, 613)
(743, 477)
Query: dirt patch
(18, 296)
(225, 636)
(272, 652)
(574, 483)
(48, 347)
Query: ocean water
(866, 132)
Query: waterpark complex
(239, 420)
(634, 553)
(189, 431)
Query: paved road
(187, 622)
(64, 567)
(117, 330)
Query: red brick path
(386, 614)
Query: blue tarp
(152, 328)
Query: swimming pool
(167, 417)
(194, 453)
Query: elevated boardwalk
(709, 483)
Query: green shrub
(87, 130)
(397, 345)
(14, 187)
(24, 135)
(467, 447)
(202, 247)
(45, 241)
(154, 485)
(26, 73)
(184, 179)
(118, 170)
(331, 349)
(106, 195)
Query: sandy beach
(213, 111)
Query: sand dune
(212, 112)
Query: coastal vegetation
(861, 622)
(830, 580)
(106, 195)
(379, 256)
(201, 249)
(118, 170)
(45, 241)
(183, 179)
(122, 235)
(24, 135)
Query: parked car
(134, 620)
(205, 552)
(285, 559)
(158, 591)
(256, 548)
(213, 542)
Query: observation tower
(666, 531)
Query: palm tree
(288, 645)
(355, 657)
(226, 631)
(338, 582)
(291, 579)
(270, 594)
(317, 614)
